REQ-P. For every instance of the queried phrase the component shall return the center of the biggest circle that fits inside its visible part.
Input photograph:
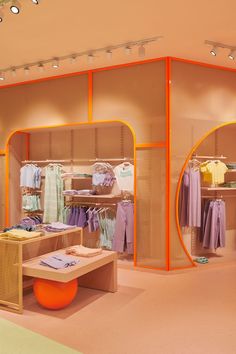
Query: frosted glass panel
(151, 187)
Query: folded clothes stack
(57, 227)
(19, 235)
(75, 174)
(231, 165)
(231, 184)
(79, 192)
(82, 251)
(59, 261)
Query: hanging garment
(107, 229)
(30, 176)
(190, 198)
(31, 202)
(214, 228)
(93, 223)
(184, 200)
(214, 171)
(124, 174)
(124, 228)
(53, 199)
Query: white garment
(125, 176)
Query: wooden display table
(98, 272)
(14, 253)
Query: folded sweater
(82, 251)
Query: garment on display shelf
(76, 216)
(213, 226)
(124, 174)
(53, 198)
(82, 251)
(30, 176)
(59, 261)
(58, 227)
(107, 228)
(31, 202)
(213, 171)
(124, 228)
(19, 235)
(190, 198)
(103, 174)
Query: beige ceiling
(59, 27)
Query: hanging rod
(45, 161)
(78, 160)
(216, 157)
(219, 196)
(90, 203)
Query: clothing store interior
(118, 177)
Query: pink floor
(190, 312)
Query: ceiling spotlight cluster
(90, 55)
(216, 46)
(15, 7)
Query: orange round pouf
(55, 295)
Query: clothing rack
(77, 160)
(90, 203)
(221, 157)
(218, 196)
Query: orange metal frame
(162, 144)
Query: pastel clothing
(124, 174)
(53, 198)
(214, 225)
(124, 228)
(190, 198)
(82, 251)
(30, 176)
(194, 198)
(214, 171)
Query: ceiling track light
(73, 59)
(15, 7)
(90, 55)
(142, 51)
(36, 2)
(40, 67)
(232, 54)
(128, 50)
(55, 63)
(1, 15)
(2, 76)
(214, 51)
(109, 54)
(27, 70)
(13, 72)
(90, 58)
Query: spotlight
(13, 72)
(142, 51)
(73, 59)
(128, 50)
(232, 54)
(15, 7)
(214, 51)
(36, 2)
(1, 15)
(27, 70)
(90, 58)
(40, 67)
(109, 54)
(2, 76)
(55, 63)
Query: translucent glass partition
(151, 186)
(201, 98)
